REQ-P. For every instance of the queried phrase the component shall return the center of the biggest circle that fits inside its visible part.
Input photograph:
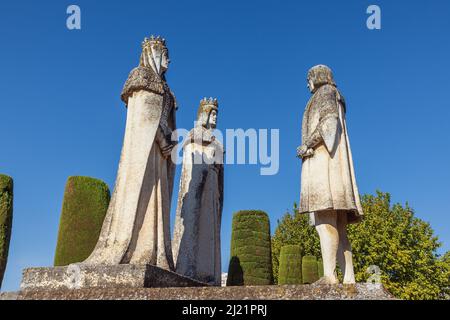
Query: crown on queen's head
(154, 42)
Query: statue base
(360, 291)
(78, 276)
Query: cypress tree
(6, 215)
(251, 260)
(84, 208)
(290, 271)
(309, 269)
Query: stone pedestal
(361, 291)
(77, 276)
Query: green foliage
(309, 269)
(84, 207)
(290, 271)
(250, 262)
(403, 246)
(6, 215)
(446, 258)
(294, 229)
(320, 268)
(445, 261)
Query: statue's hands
(217, 167)
(164, 143)
(309, 153)
(301, 151)
(304, 152)
(167, 150)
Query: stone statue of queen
(328, 185)
(136, 229)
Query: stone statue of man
(328, 186)
(196, 243)
(136, 229)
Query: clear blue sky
(61, 114)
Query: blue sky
(61, 114)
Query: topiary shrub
(6, 213)
(84, 208)
(309, 269)
(320, 268)
(290, 269)
(251, 260)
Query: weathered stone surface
(328, 179)
(289, 292)
(136, 228)
(196, 241)
(329, 192)
(9, 295)
(78, 276)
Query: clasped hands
(165, 144)
(304, 152)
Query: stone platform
(78, 276)
(289, 292)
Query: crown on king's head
(154, 41)
(209, 102)
(207, 105)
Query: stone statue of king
(328, 185)
(196, 241)
(136, 229)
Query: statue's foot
(327, 280)
(349, 279)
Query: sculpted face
(207, 113)
(165, 61)
(311, 85)
(208, 120)
(213, 119)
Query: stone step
(361, 291)
(79, 276)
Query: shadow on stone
(235, 273)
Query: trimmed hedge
(251, 250)
(309, 270)
(84, 208)
(320, 268)
(290, 271)
(6, 215)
